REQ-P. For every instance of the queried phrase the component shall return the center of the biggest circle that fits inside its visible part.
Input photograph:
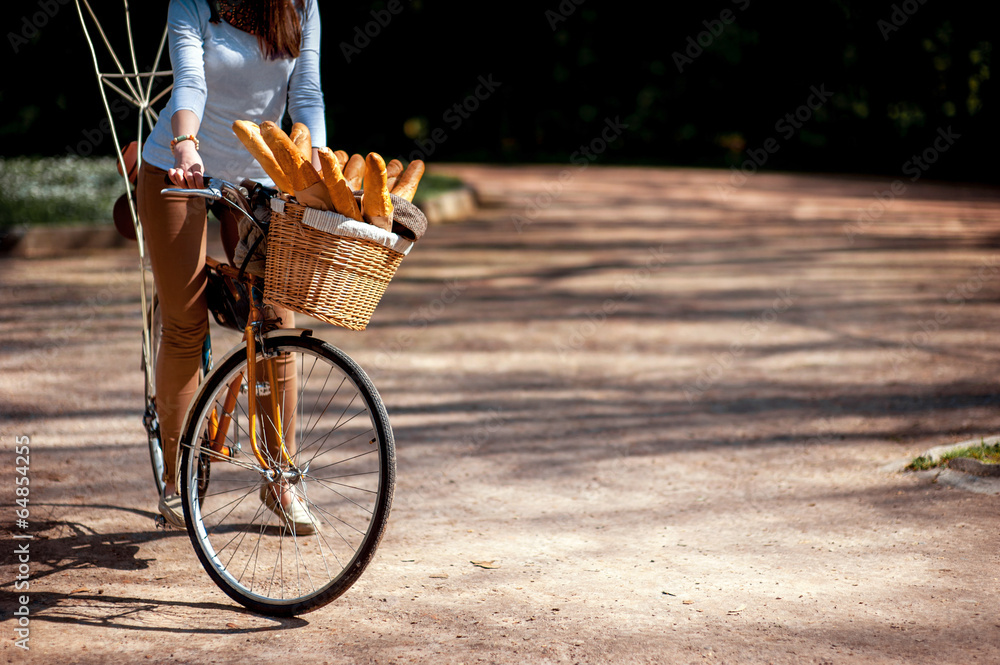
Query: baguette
(302, 139)
(341, 157)
(330, 171)
(392, 171)
(341, 196)
(250, 136)
(299, 170)
(406, 184)
(354, 172)
(375, 202)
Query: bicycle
(282, 413)
(248, 437)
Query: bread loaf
(299, 170)
(329, 166)
(249, 135)
(354, 172)
(341, 157)
(375, 203)
(302, 139)
(340, 194)
(406, 184)
(392, 171)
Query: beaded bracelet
(185, 137)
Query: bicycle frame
(235, 386)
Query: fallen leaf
(231, 625)
(667, 593)
(738, 609)
(80, 590)
(688, 602)
(439, 576)
(486, 564)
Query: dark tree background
(558, 71)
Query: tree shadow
(61, 546)
(142, 614)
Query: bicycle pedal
(161, 522)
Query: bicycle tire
(150, 419)
(155, 448)
(248, 549)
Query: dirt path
(660, 408)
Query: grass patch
(57, 190)
(988, 454)
(67, 190)
(432, 185)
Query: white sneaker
(296, 516)
(171, 508)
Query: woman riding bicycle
(231, 59)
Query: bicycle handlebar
(242, 197)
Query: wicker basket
(333, 278)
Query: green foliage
(433, 185)
(895, 76)
(988, 454)
(921, 464)
(57, 190)
(61, 190)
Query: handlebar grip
(170, 183)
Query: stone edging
(451, 206)
(962, 473)
(975, 467)
(56, 240)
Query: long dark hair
(274, 22)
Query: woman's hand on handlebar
(188, 169)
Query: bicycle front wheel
(291, 527)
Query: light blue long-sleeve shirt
(221, 75)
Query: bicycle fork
(219, 423)
(271, 387)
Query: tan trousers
(176, 236)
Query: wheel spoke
(339, 443)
